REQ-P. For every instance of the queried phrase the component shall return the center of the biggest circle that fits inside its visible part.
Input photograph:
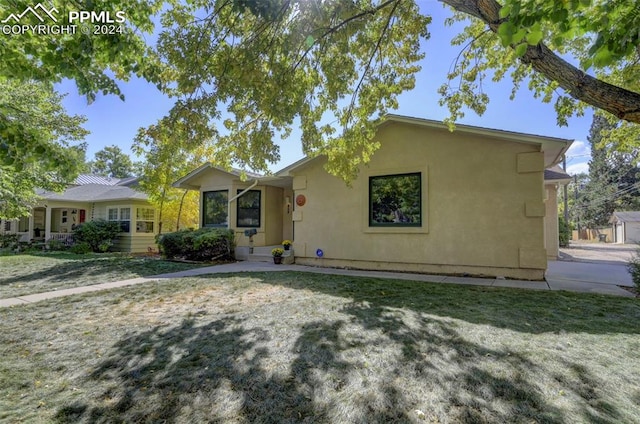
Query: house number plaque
(301, 200)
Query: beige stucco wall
(551, 221)
(483, 207)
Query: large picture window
(248, 209)
(215, 205)
(395, 200)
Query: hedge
(205, 244)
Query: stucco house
(91, 198)
(626, 227)
(473, 201)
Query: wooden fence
(593, 234)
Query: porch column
(47, 223)
(31, 225)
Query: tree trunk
(622, 103)
(164, 192)
(180, 210)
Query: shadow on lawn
(231, 369)
(95, 268)
(220, 363)
(218, 373)
(528, 311)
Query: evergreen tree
(613, 183)
(112, 162)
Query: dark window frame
(204, 214)
(259, 209)
(377, 224)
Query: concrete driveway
(592, 267)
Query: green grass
(297, 347)
(35, 273)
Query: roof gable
(629, 216)
(190, 182)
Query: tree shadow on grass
(384, 351)
(522, 310)
(72, 272)
(165, 374)
(222, 371)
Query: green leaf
(309, 41)
(519, 36)
(521, 49)
(505, 31)
(534, 37)
(505, 11)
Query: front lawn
(42, 272)
(297, 347)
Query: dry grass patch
(295, 347)
(36, 273)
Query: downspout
(255, 183)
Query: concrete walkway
(571, 276)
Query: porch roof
(557, 175)
(94, 193)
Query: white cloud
(579, 148)
(578, 168)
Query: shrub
(9, 240)
(634, 268)
(564, 232)
(81, 248)
(99, 235)
(198, 245)
(55, 245)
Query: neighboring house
(91, 198)
(473, 201)
(626, 227)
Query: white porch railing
(66, 238)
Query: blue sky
(112, 121)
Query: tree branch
(624, 104)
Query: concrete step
(262, 254)
(266, 250)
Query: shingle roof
(631, 216)
(95, 193)
(555, 173)
(129, 181)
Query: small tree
(634, 268)
(564, 232)
(99, 235)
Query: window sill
(396, 230)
